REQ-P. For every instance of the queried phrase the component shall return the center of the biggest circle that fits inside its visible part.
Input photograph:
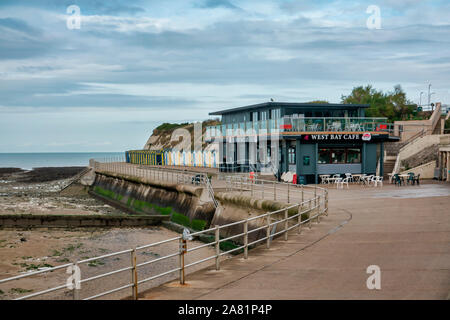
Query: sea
(29, 161)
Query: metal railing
(303, 124)
(155, 174)
(251, 231)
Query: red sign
(285, 126)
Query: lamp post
(420, 100)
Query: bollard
(286, 224)
(246, 239)
(134, 288)
(217, 236)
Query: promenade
(403, 230)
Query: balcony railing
(310, 124)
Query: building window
(353, 156)
(275, 114)
(254, 116)
(263, 115)
(291, 155)
(339, 155)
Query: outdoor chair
(349, 176)
(377, 180)
(416, 179)
(340, 183)
(410, 179)
(196, 179)
(397, 180)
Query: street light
(420, 101)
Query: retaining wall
(185, 205)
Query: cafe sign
(356, 137)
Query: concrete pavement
(403, 230)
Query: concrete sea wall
(186, 205)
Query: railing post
(268, 232)
(246, 239)
(318, 210)
(251, 188)
(286, 224)
(326, 203)
(217, 239)
(181, 258)
(262, 185)
(302, 194)
(288, 194)
(274, 192)
(299, 219)
(309, 214)
(134, 288)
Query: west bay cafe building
(310, 139)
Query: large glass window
(275, 114)
(324, 156)
(339, 155)
(353, 156)
(263, 115)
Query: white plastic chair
(340, 183)
(349, 176)
(377, 180)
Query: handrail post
(288, 193)
(181, 258)
(217, 239)
(318, 210)
(134, 288)
(302, 194)
(274, 192)
(268, 232)
(262, 185)
(309, 213)
(299, 231)
(246, 239)
(286, 223)
(326, 203)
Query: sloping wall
(186, 205)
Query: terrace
(302, 125)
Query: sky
(132, 65)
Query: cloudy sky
(134, 64)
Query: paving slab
(405, 231)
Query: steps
(389, 164)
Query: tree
(392, 105)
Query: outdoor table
(333, 180)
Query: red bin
(294, 178)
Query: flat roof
(289, 105)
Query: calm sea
(64, 159)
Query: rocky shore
(38, 191)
